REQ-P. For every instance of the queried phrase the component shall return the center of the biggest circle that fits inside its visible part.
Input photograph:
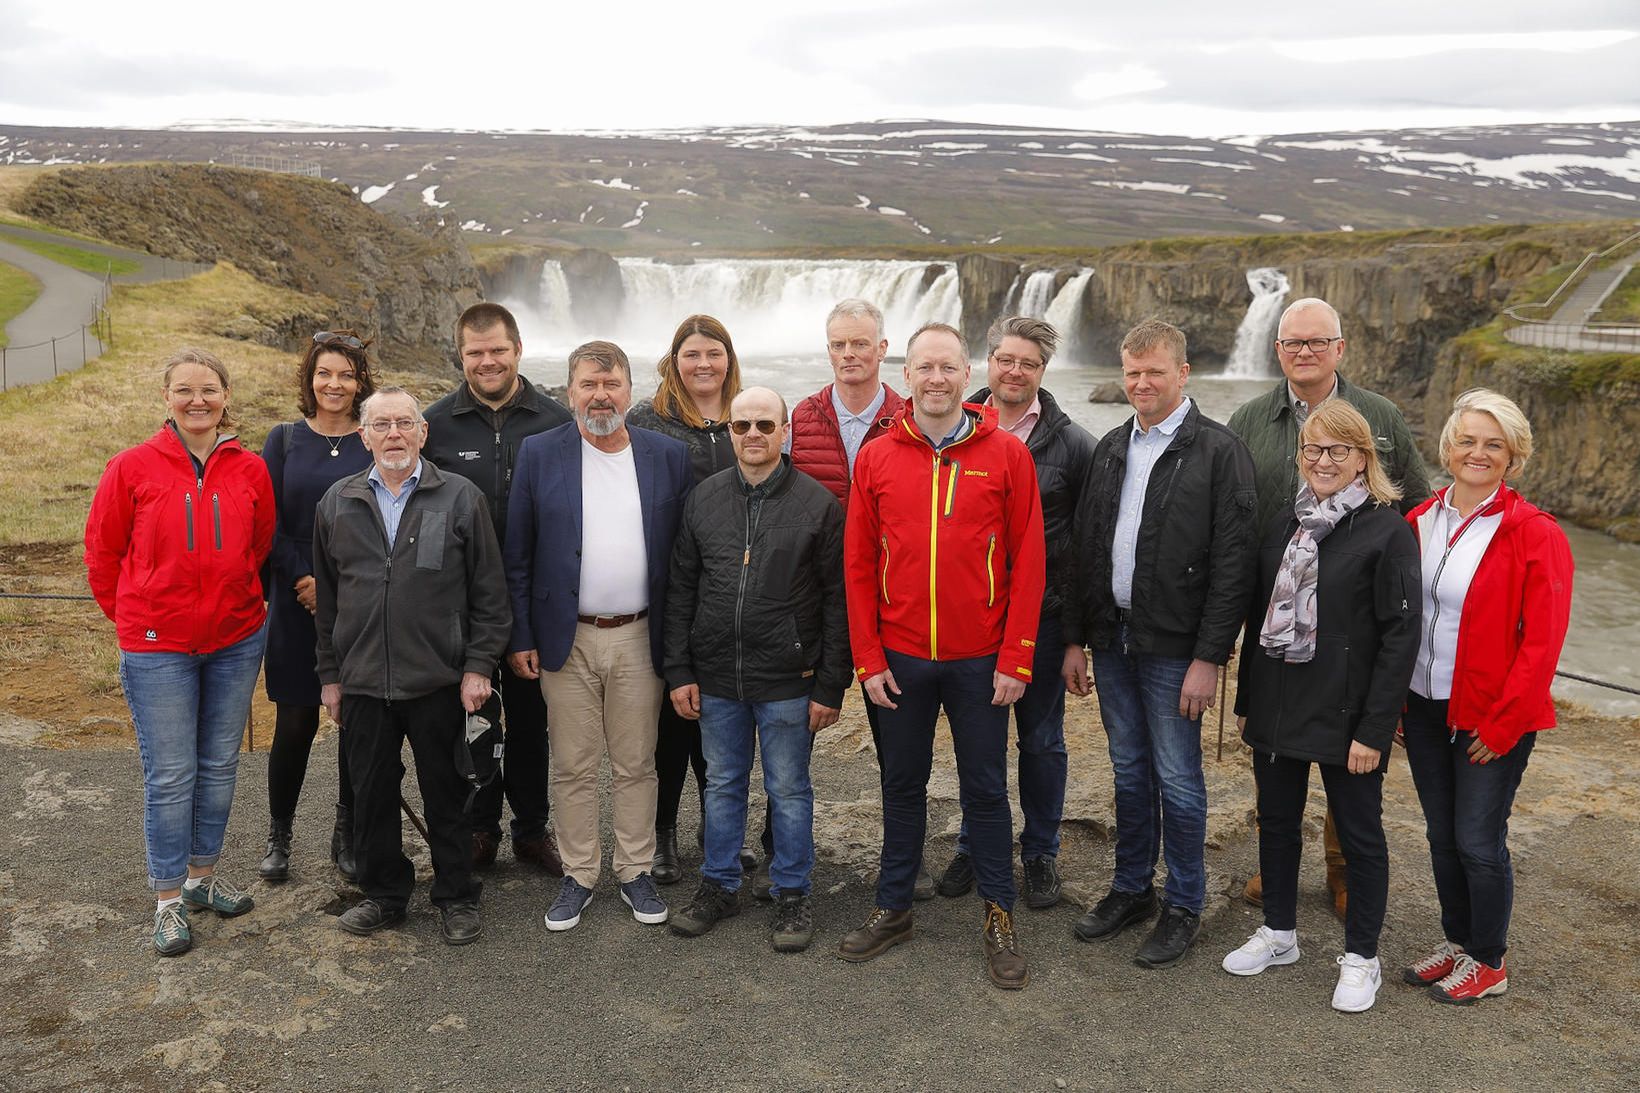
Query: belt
(609, 622)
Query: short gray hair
(1038, 331)
(608, 357)
(856, 308)
(1309, 303)
(382, 392)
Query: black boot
(276, 866)
(341, 844)
(665, 869)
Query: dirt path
(281, 999)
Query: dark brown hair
(483, 316)
(671, 399)
(306, 401)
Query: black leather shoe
(665, 868)
(1114, 913)
(1041, 883)
(958, 878)
(341, 845)
(1171, 938)
(367, 917)
(275, 868)
(461, 923)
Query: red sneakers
(1469, 982)
(1434, 967)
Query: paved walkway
(1568, 327)
(50, 336)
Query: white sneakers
(1265, 948)
(1358, 982)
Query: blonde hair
(1338, 419)
(1517, 431)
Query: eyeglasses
(1024, 364)
(1336, 452)
(859, 345)
(1315, 345)
(764, 425)
(402, 424)
(187, 394)
(331, 337)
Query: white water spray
(1250, 356)
(1037, 295)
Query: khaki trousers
(605, 699)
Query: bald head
(757, 428)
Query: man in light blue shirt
(390, 503)
(1145, 446)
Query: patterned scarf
(1289, 623)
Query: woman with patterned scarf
(1329, 650)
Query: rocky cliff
(404, 280)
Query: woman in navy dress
(304, 458)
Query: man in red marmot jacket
(944, 571)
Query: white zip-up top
(1452, 549)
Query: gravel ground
(281, 999)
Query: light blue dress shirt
(1144, 448)
(392, 508)
(854, 427)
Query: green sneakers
(216, 895)
(171, 936)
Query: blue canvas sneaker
(646, 903)
(216, 894)
(565, 912)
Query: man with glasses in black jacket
(475, 431)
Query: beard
(605, 423)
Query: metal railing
(98, 329)
(1538, 313)
(284, 165)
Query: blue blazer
(543, 549)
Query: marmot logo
(468, 455)
(976, 474)
(150, 636)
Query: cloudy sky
(1195, 67)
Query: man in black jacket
(1018, 353)
(475, 431)
(1159, 587)
(757, 650)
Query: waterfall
(1250, 357)
(772, 307)
(1037, 295)
(1065, 313)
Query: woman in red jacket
(177, 534)
(1497, 590)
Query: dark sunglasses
(764, 426)
(331, 337)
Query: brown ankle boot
(1338, 883)
(1003, 958)
(881, 930)
(1254, 892)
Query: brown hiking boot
(1338, 883)
(484, 847)
(1254, 892)
(541, 851)
(1002, 956)
(882, 930)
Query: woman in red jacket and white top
(1497, 587)
(177, 534)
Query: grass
(18, 289)
(1622, 306)
(83, 260)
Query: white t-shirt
(614, 565)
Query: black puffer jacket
(1193, 571)
(1063, 452)
(710, 449)
(462, 438)
(1369, 615)
(755, 607)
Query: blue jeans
(1039, 717)
(1466, 817)
(979, 735)
(1156, 755)
(729, 731)
(189, 711)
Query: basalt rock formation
(403, 280)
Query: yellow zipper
(951, 487)
(885, 571)
(990, 574)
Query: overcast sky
(1195, 67)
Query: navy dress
(302, 469)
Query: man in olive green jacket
(1310, 345)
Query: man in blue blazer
(598, 491)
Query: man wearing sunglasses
(757, 650)
(412, 618)
(475, 431)
(1309, 346)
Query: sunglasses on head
(331, 337)
(764, 426)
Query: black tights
(677, 748)
(294, 728)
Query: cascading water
(1037, 295)
(771, 307)
(1252, 352)
(1065, 313)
